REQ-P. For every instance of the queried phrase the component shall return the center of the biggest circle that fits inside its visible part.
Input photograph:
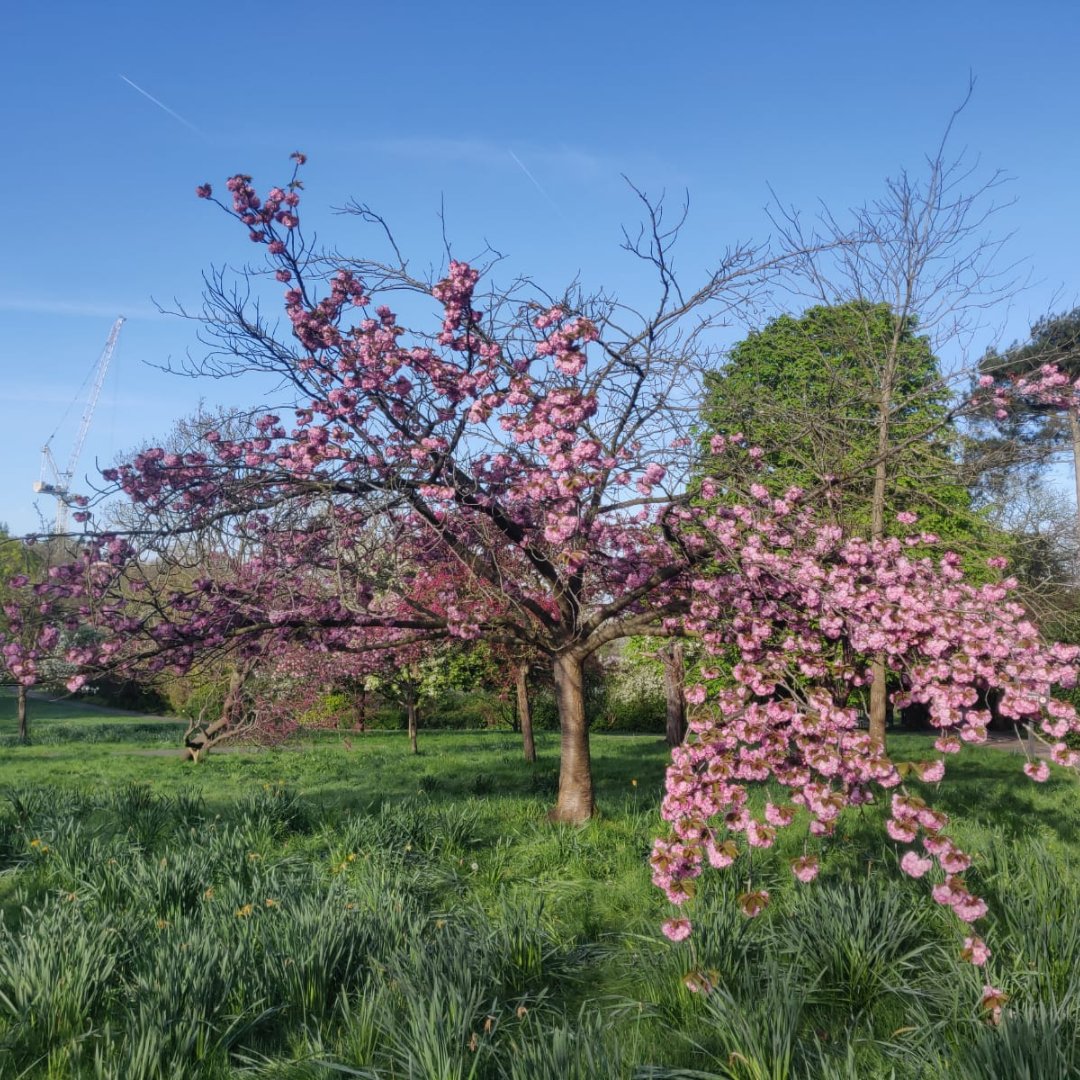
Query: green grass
(64, 722)
(425, 920)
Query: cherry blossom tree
(21, 624)
(33, 634)
(537, 445)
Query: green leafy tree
(848, 401)
(810, 391)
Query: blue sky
(520, 118)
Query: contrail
(539, 187)
(161, 105)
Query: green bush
(466, 709)
(335, 709)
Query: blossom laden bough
(805, 611)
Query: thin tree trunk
(879, 692)
(879, 700)
(1074, 430)
(24, 723)
(410, 707)
(524, 712)
(671, 656)
(575, 803)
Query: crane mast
(55, 481)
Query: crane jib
(55, 481)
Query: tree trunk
(1074, 430)
(24, 723)
(671, 656)
(879, 701)
(410, 708)
(879, 691)
(201, 737)
(524, 712)
(575, 803)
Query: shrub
(334, 709)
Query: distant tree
(1043, 418)
(1037, 524)
(22, 624)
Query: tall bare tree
(921, 253)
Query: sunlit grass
(362, 912)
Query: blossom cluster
(1048, 386)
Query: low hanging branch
(809, 615)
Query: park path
(1004, 740)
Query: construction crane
(54, 481)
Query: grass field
(328, 912)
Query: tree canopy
(809, 391)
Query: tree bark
(575, 803)
(410, 708)
(671, 656)
(879, 700)
(24, 723)
(524, 712)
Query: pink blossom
(721, 855)
(943, 894)
(759, 835)
(975, 951)
(954, 861)
(932, 772)
(902, 831)
(992, 1001)
(970, 908)
(677, 929)
(915, 866)
(805, 868)
(1039, 771)
(701, 982)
